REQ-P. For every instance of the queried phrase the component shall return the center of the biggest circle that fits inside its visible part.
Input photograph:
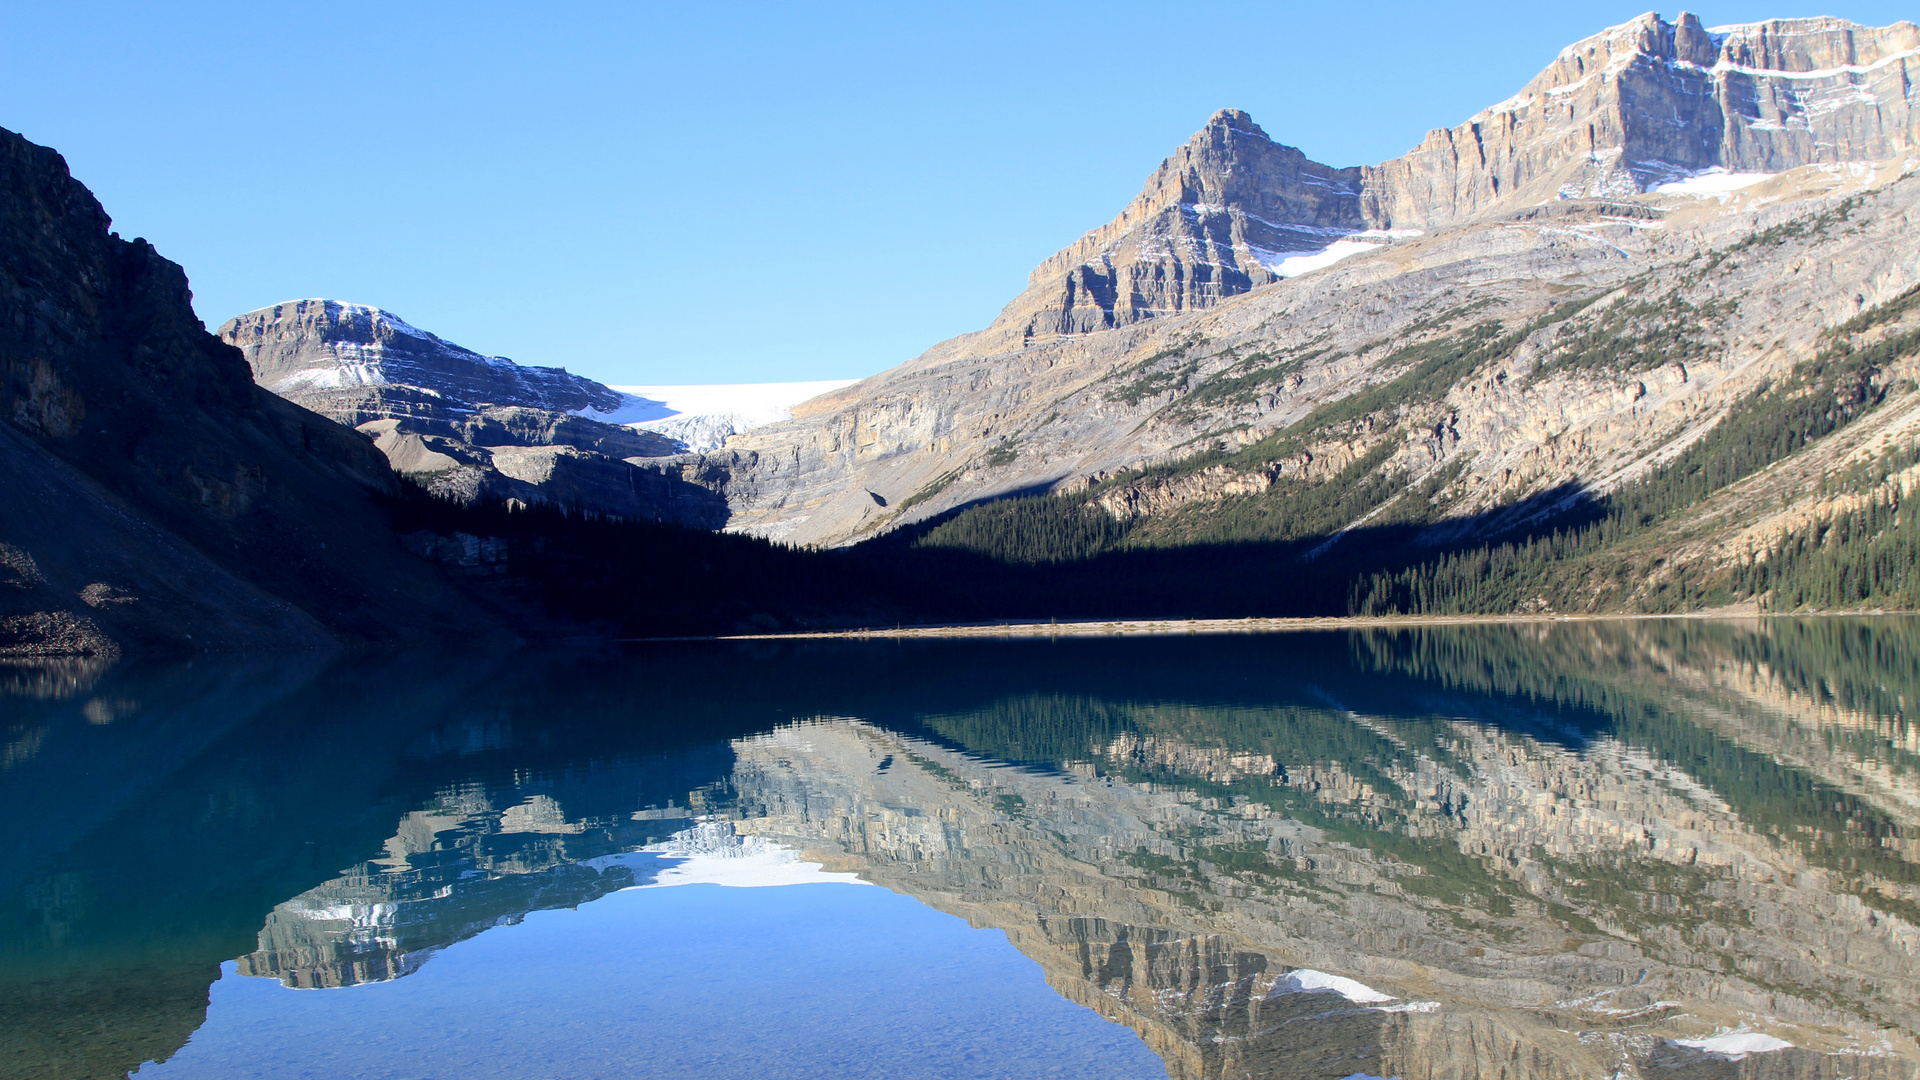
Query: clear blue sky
(651, 193)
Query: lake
(1674, 849)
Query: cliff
(1649, 102)
(153, 497)
(1215, 220)
(461, 424)
(1635, 106)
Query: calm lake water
(1661, 849)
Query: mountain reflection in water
(1661, 848)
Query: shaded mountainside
(154, 498)
(462, 424)
(150, 492)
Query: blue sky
(652, 193)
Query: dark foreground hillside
(150, 495)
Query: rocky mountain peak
(329, 355)
(1214, 220)
(1648, 102)
(463, 424)
(1634, 106)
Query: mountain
(1635, 106)
(360, 361)
(463, 424)
(1652, 252)
(1216, 219)
(151, 495)
(1649, 102)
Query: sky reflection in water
(696, 981)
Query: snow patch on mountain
(1712, 183)
(1307, 980)
(1288, 264)
(1737, 1044)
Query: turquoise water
(1666, 848)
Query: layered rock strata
(1635, 106)
(1179, 326)
(462, 424)
(1216, 219)
(1649, 102)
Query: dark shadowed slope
(150, 495)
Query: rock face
(1216, 219)
(1176, 329)
(462, 424)
(153, 496)
(1649, 102)
(354, 361)
(1635, 106)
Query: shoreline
(1253, 625)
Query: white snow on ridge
(1714, 182)
(1735, 1045)
(365, 311)
(1307, 980)
(1288, 266)
(1817, 73)
(702, 415)
(343, 373)
(1293, 264)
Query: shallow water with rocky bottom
(1674, 849)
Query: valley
(1643, 337)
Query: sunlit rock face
(1649, 102)
(1247, 286)
(1216, 219)
(1504, 905)
(340, 359)
(1637, 105)
(462, 424)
